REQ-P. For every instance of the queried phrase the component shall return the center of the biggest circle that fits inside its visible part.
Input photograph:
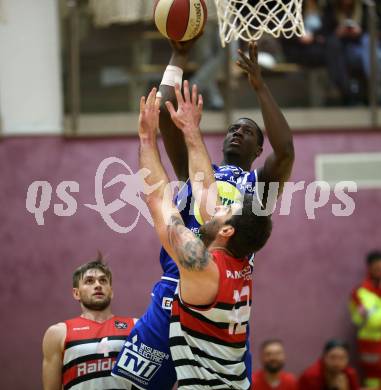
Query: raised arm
(197, 271)
(278, 165)
(173, 138)
(52, 348)
(187, 117)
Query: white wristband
(172, 75)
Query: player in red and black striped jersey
(79, 353)
(208, 343)
(212, 307)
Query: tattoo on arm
(191, 251)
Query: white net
(249, 19)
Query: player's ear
(259, 151)
(76, 294)
(227, 231)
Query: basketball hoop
(249, 19)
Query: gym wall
(302, 278)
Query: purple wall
(302, 278)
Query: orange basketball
(180, 20)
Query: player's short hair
(335, 343)
(268, 342)
(372, 257)
(251, 230)
(260, 137)
(98, 264)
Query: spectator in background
(272, 375)
(308, 50)
(365, 308)
(331, 371)
(343, 23)
(366, 47)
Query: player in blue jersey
(145, 359)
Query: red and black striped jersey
(90, 352)
(208, 344)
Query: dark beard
(97, 306)
(273, 368)
(208, 233)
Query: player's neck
(236, 161)
(215, 246)
(97, 315)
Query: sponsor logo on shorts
(140, 362)
(167, 303)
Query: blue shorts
(145, 358)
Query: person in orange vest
(272, 376)
(365, 309)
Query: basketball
(180, 20)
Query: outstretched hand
(250, 65)
(187, 117)
(149, 114)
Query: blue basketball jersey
(232, 182)
(145, 358)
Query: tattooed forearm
(191, 251)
